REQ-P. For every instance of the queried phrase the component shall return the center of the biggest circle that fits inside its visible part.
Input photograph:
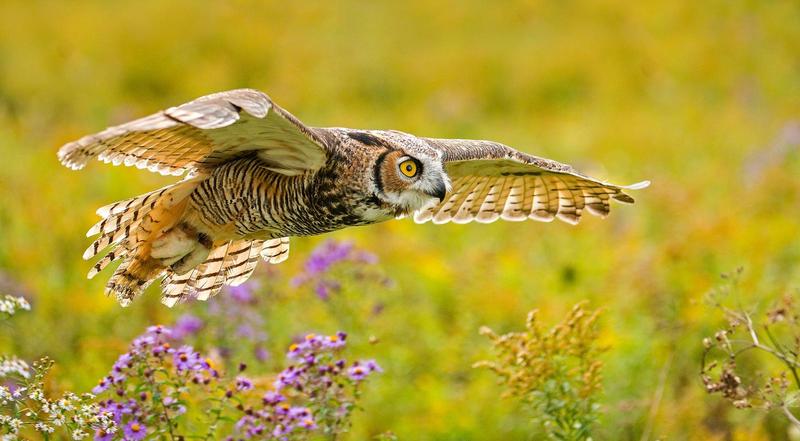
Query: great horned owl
(256, 175)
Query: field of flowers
(672, 319)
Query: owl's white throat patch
(397, 205)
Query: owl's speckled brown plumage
(255, 176)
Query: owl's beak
(439, 190)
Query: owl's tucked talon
(170, 260)
(174, 244)
(191, 260)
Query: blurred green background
(702, 98)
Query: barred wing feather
(202, 133)
(492, 181)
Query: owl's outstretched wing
(202, 133)
(492, 181)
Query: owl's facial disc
(411, 182)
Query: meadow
(701, 98)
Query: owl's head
(409, 180)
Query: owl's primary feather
(256, 175)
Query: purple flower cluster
(323, 259)
(332, 252)
(317, 375)
(360, 370)
(316, 363)
(147, 386)
(276, 420)
(130, 410)
(186, 326)
(152, 352)
(151, 368)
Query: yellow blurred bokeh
(702, 98)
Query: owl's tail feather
(129, 228)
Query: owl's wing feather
(492, 181)
(202, 133)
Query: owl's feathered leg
(134, 227)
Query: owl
(254, 176)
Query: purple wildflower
(186, 358)
(323, 259)
(261, 353)
(272, 398)
(163, 348)
(322, 290)
(287, 377)
(117, 409)
(143, 341)
(124, 361)
(372, 366)
(295, 351)
(243, 383)
(244, 421)
(308, 424)
(102, 386)
(357, 373)
(135, 431)
(299, 413)
(282, 429)
(256, 430)
(159, 330)
(175, 405)
(312, 340)
(242, 293)
(185, 326)
(245, 331)
(117, 379)
(326, 255)
(335, 341)
(282, 409)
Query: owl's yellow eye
(408, 168)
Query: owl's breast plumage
(244, 198)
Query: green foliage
(555, 371)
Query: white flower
(65, 405)
(13, 365)
(44, 428)
(78, 434)
(10, 304)
(13, 424)
(5, 395)
(37, 395)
